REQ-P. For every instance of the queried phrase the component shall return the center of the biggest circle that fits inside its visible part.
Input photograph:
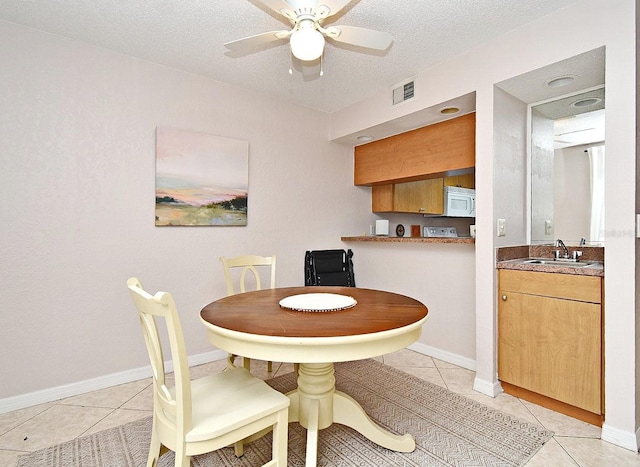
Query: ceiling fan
(306, 37)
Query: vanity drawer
(566, 286)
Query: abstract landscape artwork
(201, 179)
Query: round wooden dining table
(255, 325)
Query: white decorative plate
(318, 302)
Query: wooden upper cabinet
(433, 151)
(382, 198)
(464, 181)
(422, 196)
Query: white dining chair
(229, 408)
(235, 271)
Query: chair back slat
(162, 394)
(252, 264)
(172, 406)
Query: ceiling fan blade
(334, 5)
(301, 4)
(360, 36)
(275, 5)
(257, 40)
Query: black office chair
(329, 267)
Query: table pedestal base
(316, 405)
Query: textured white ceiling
(189, 35)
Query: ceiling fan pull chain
(290, 62)
(321, 63)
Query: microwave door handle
(473, 205)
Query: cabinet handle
(504, 298)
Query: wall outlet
(502, 227)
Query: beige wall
(77, 184)
(510, 161)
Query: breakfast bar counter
(373, 238)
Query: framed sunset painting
(201, 179)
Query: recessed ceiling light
(449, 110)
(365, 138)
(561, 81)
(586, 102)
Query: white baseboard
(81, 387)
(487, 387)
(444, 356)
(101, 382)
(624, 439)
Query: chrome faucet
(560, 243)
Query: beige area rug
(450, 430)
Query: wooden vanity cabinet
(422, 196)
(550, 340)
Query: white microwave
(459, 202)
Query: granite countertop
(382, 239)
(517, 258)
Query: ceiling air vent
(403, 92)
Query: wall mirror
(567, 168)
(565, 102)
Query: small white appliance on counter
(382, 227)
(439, 231)
(459, 202)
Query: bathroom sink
(569, 264)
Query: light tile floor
(575, 443)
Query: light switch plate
(548, 227)
(502, 227)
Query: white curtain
(596, 162)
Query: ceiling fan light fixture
(307, 43)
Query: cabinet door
(423, 196)
(430, 151)
(552, 347)
(382, 198)
(463, 181)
